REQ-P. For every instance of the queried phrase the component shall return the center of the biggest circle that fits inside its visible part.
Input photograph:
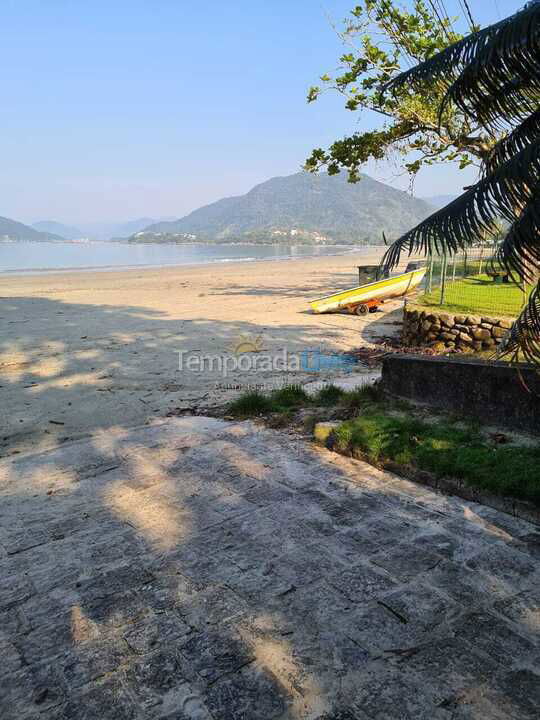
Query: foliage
(444, 449)
(494, 76)
(384, 37)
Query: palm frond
(448, 65)
(503, 78)
(455, 227)
(519, 252)
(523, 340)
(513, 143)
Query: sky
(117, 110)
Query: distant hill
(440, 201)
(68, 232)
(117, 230)
(303, 208)
(17, 232)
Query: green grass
(251, 404)
(444, 450)
(477, 295)
(283, 400)
(294, 397)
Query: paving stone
(523, 609)
(14, 590)
(532, 544)
(251, 693)
(261, 585)
(384, 694)
(338, 512)
(85, 664)
(400, 619)
(492, 635)
(343, 714)
(104, 699)
(264, 493)
(385, 531)
(110, 582)
(450, 665)
(12, 659)
(269, 579)
(522, 688)
(306, 565)
(361, 583)
(504, 570)
(211, 607)
(407, 561)
(458, 582)
(31, 689)
(351, 545)
(158, 678)
(216, 653)
(154, 631)
(448, 545)
(420, 605)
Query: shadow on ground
(200, 569)
(68, 369)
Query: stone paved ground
(198, 569)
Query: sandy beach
(85, 352)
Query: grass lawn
(477, 295)
(446, 450)
(383, 429)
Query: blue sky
(116, 110)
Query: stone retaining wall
(442, 331)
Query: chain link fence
(473, 282)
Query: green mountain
(67, 232)
(17, 232)
(305, 208)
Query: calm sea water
(43, 257)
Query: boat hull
(380, 290)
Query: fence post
(443, 278)
(481, 258)
(430, 273)
(454, 257)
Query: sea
(39, 257)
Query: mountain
(17, 232)
(440, 201)
(117, 230)
(67, 232)
(308, 208)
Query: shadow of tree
(202, 569)
(68, 369)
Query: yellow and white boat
(362, 299)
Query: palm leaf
(503, 77)
(448, 65)
(523, 340)
(474, 214)
(519, 252)
(513, 143)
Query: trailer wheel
(361, 309)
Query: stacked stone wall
(443, 331)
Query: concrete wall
(444, 332)
(492, 393)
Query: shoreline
(346, 250)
